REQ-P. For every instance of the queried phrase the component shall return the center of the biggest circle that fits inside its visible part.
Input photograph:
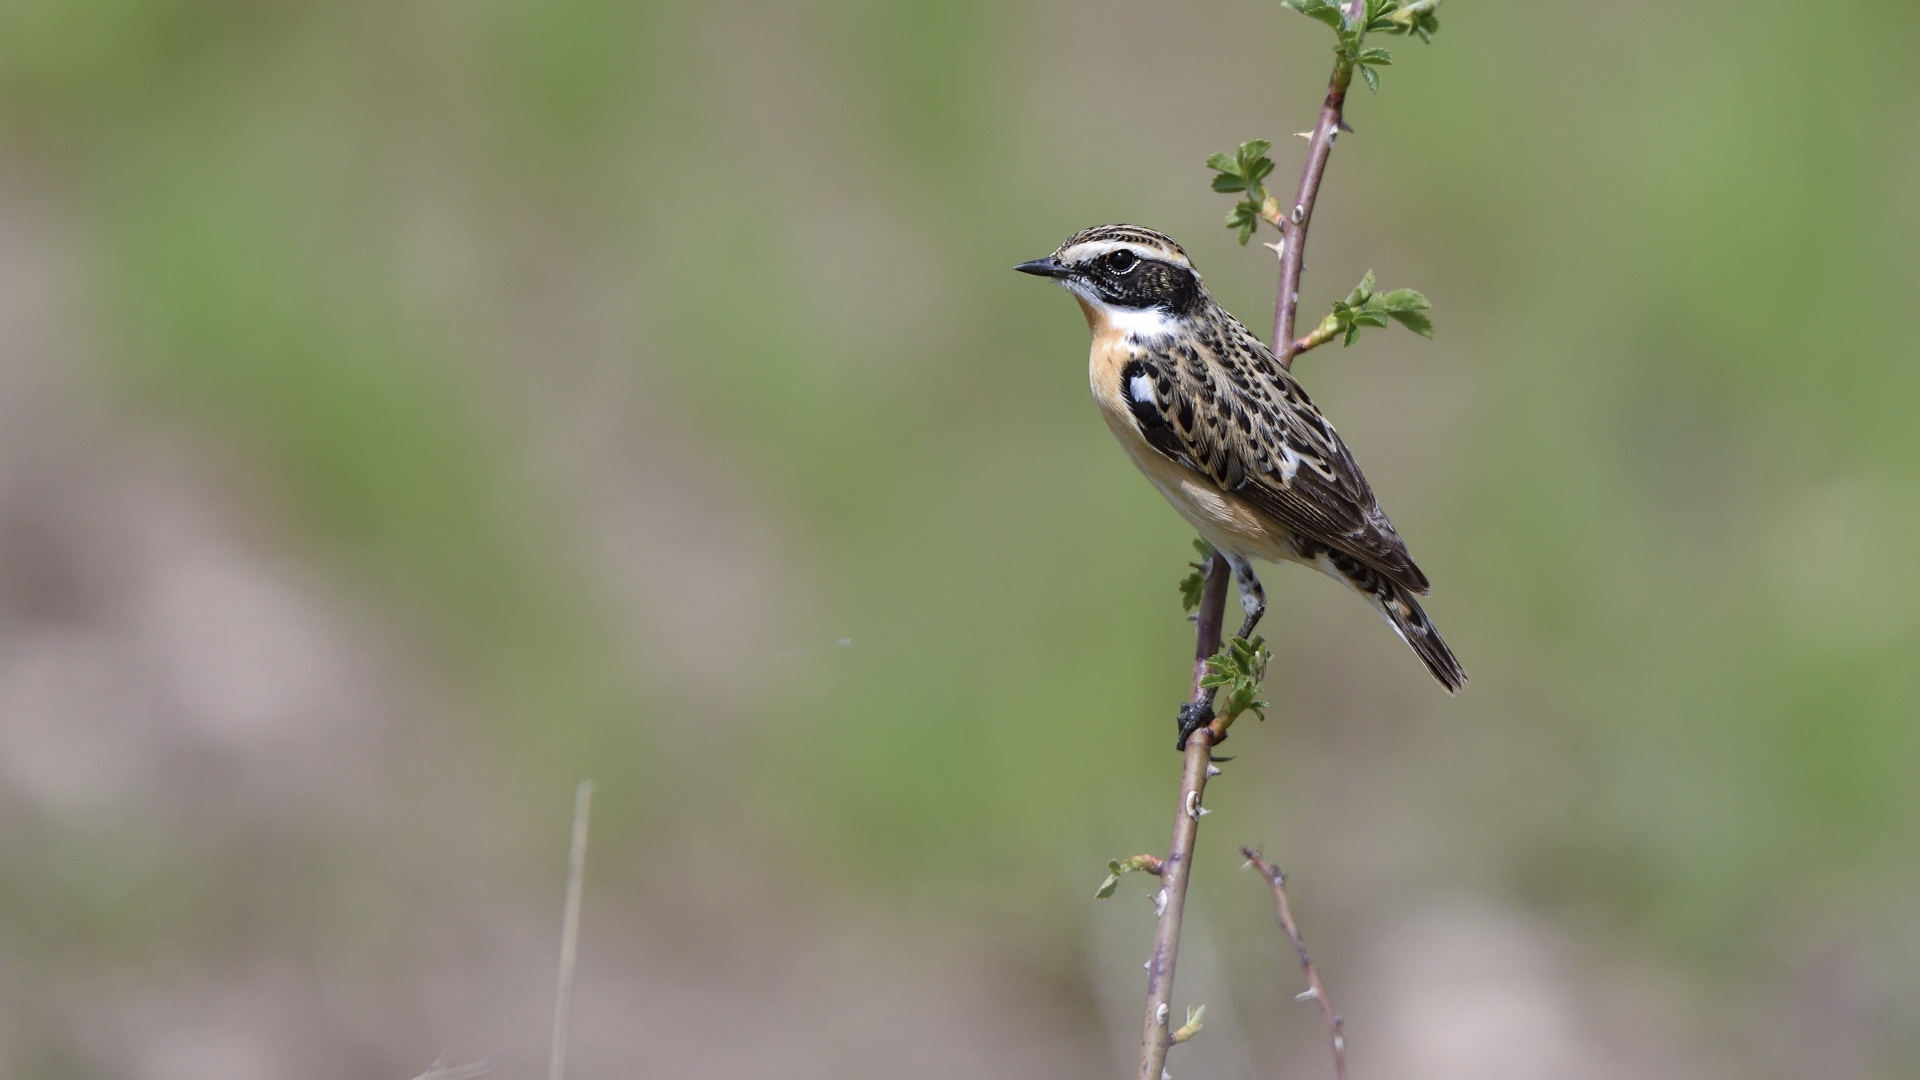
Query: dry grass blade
(570, 930)
(456, 1072)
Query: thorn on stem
(1160, 903)
(1306, 995)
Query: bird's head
(1124, 275)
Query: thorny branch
(1243, 172)
(1157, 1036)
(1316, 992)
(1293, 224)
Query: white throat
(1135, 322)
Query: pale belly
(1222, 519)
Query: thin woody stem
(1336, 1033)
(1157, 1035)
(1295, 219)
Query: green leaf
(1364, 307)
(1372, 77)
(1205, 549)
(1417, 18)
(1243, 698)
(1192, 588)
(1415, 321)
(1245, 217)
(1375, 56)
(1362, 292)
(1409, 309)
(1118, 867)
(1404, 300)
(1239, 666)
(1243, 172)
(1318, 9)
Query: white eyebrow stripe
(1093, 249)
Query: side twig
(1157, 1035)
(1293, 226)
(1317, 992)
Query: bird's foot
(1194, 717)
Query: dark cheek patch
(1150, 284)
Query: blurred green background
(407, 409)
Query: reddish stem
(1296, 217)
(1336, 1033)
(1157, 1033)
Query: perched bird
(1228, 436)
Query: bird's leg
(1253, 598)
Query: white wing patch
(1142, 389)
(1289, 463)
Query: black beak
(1047, 267)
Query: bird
(1229, 436)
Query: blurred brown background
(409, 408)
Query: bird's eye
(1122, 261)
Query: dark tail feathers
(1413, 626)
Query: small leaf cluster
(1365, 307)
(1244, 171)
(1416, 18)
(1117, 867)
(1239, 668)
(1384, 16)
(1194, 585)
(1196, 1015)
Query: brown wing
(1227, 410)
